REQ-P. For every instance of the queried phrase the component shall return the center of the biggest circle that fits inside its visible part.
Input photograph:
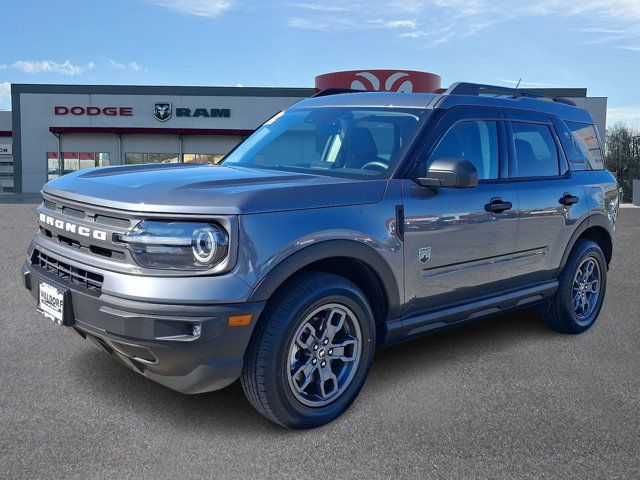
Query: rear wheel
(581, 290)
(310, 356)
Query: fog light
(197, 330)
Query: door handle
(497, 205)
(568, 199)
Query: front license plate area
(54, 302)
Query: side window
(475, 141)
(586, 141)
(536, 151)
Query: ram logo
(162, 111)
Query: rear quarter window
(586, 154)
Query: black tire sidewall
(584, 249)
(289, 409)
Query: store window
(141, 158)
(74, 161)
(213, 158)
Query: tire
(566, 314)
(284, 343)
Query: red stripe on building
(152, 131)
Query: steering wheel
(376, 164)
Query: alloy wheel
(586, 289)
(324, 354)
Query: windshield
(342, 141)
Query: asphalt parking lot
(503, 398)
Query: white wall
(209, 143)
(597, 107)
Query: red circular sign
(380, 81)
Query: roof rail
(477, 89)
(336, 91)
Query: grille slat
(113, 221)
(73, 212)
(92, 282)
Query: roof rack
(477, 89)
(336, 91)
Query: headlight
(177, 245)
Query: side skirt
(430, 322)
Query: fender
(324, 250)
(593, 220)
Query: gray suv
(347, 222)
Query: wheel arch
(597, 228)
(355, 261)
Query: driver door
(458, 245)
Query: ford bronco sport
(346, 222)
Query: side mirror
(450, 172)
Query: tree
(622, 156)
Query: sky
(545, 43)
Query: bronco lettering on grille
(73, 228)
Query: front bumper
(131, 331)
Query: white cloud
(200, 8)
(606, 39)
(319, 7)
(628, 115)
(606, 21)
(5, 90)
(400, 24)
(321, 24)
(463, 8)
(435, 22)
(135, 66)
(49, 66)
(627, 10)
(601, 30)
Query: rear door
(457, 245)
(550, 201)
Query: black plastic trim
(400, 221)
(594, 220)
(331, 249)
(449, 317)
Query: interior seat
(359, 148)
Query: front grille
(73, 212)
(113, 221)
(89, 215)
(69, 274)
(91, 218)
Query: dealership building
(56, 129)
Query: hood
(210, 189)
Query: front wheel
(581, 290)
(310, 356)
